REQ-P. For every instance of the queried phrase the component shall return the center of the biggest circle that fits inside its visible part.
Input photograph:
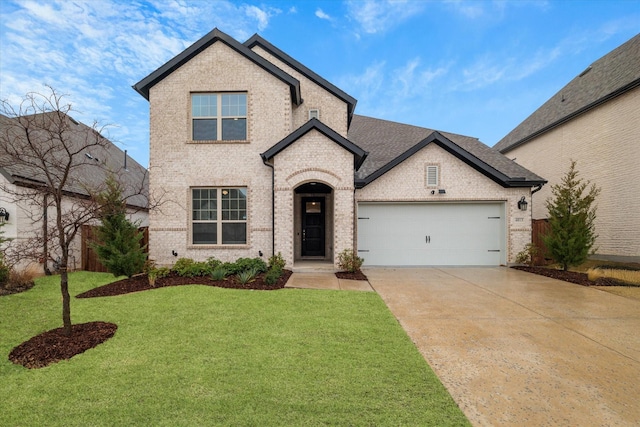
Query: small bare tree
(55, 166)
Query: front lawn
(197, 355)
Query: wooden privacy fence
(539, 227)
(90, 261)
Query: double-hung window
(219, 116)
(219, 216)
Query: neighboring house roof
(359, 155)
(391, 143)
(256, 40)
(610, 76)
(85, 174)
(144, 85)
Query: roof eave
(449, 146)
(143, 86)
(359, 154)
(622, 90)
(311, 75)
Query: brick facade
(178, 164)
(407, 183)
(605, 143)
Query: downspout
(273, 206)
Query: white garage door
(420, 234)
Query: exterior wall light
(522, 204)
(4, 215)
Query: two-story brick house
(256, 154)
(594, 120)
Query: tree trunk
(45, 235)
(66, 299)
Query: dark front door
(313, 226)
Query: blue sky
(476, 68)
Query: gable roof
(256, 40)
(359, 155)
(610, 76)
(215, 35)
(391, 143)
(84, 174)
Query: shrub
(187, 267)
(349, 261)
(244, 264)
(219, 273)
(528, 254)
(572, 215)
(155, 273)
(4, 273)
(213, 263)
(118, 242)
(20, 279)
(277, 261)
(247, 276)
(272, 275)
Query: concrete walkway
(515, 348)
(326, 280)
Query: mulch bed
(52, 346)
(569, 276)
(16, 289)
(140, 283)
(358, 275)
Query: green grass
(196, 355)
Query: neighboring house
(25, 222)
(259, 155)
(594, 120)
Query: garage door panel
(431, 234)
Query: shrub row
(245, 269)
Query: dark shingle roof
(612, 75)
(390, 143)
(215, 35)
(84, 175)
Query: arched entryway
(313, 222)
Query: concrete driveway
(515, 348)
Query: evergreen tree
(118, 246)
(571, 219)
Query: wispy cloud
(95, 50)
(379, 16)
(322, 15)
(262, 16)
(385, 92)
(469, 9)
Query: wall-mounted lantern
(4, 215)
(522, 204)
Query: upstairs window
(219, 116)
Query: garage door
(423, 234)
